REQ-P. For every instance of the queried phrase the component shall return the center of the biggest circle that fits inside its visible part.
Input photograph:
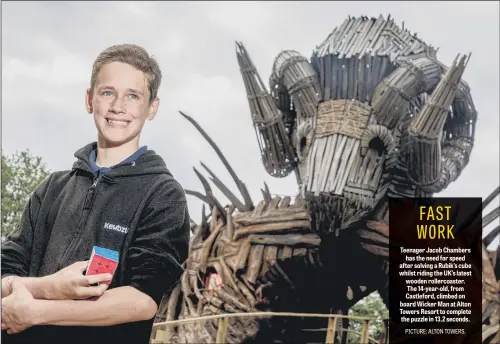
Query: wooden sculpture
(373, 114)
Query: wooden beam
(365, 332)
(330, 332)
(222, 331)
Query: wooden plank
(354, 78)
(340, 78)
(375, 72)
(243, 255)
(319, 152)
(361, 82)
(310, 165)
(343, 38)
(300, 251)
(351, 36)
(380, 38)
(336, 161)
(285, 240)
(161, 336)
(366, 63)
(365, 332)
(271, 254)
(326, 160)
(333, 72)
(222, 331)
(369, 70)
(353, 153)
(343, 160)
(275, 227)
(255, 260)
(375, 36)
(345, 78)
(361, 37)
(338, 38)
(329, 160)
(285, 253)
(322, 72)
(332, 328)
(328, 76)
(371, 37)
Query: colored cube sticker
(102, 261)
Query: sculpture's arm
(277, 152)
(438, 153)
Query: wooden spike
(207, 246)
(241, 186)
(204, 219)
(230, 225)
(491, 197)
(210, 196)
(225, 190)
(491, 236)
(204, 182)
(193, 226)
(490, 217)
(265, 195)
(199, 196)
(267, 189)
(213, 219)
(285, 202)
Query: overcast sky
(48, 49)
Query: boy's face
(120, 103)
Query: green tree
(22, 172)
(371, 306)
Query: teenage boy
(117, 196)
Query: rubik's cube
(102, 261)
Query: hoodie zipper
(87, 206)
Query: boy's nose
(117, 106)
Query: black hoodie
(138, 209)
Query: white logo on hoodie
(115, 227)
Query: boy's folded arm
(16, 250)
(39, 287)
(115, 306)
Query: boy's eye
(106, 93)
(132, 96)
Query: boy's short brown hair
(133, 55)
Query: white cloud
(244, 19)
(209, 97)
(64, 69)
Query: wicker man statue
(374, 114)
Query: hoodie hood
(148, 163)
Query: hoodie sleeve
(161, 244)
(16, 250)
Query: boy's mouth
(117, 123)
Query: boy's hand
(70, 283)
(7, 286)
(16, 314)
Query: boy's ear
(88, 101)
(153, 109)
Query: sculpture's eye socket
(378, 145)
(303, 144)
(304, 138)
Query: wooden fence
(331, 331)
